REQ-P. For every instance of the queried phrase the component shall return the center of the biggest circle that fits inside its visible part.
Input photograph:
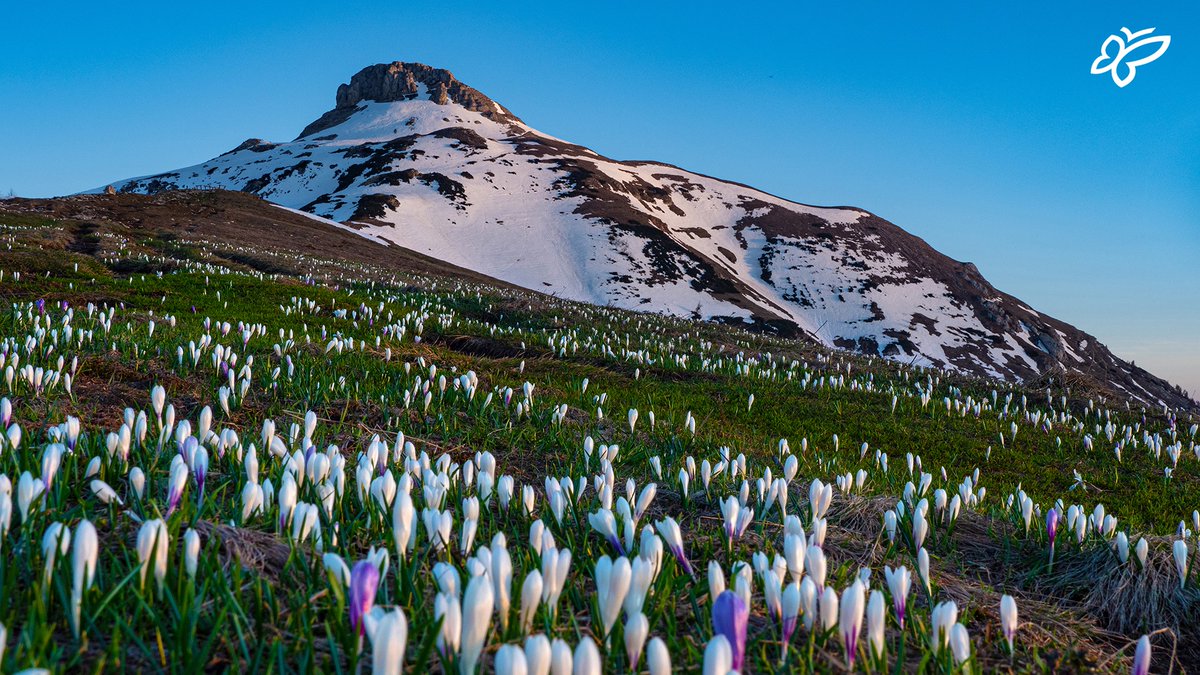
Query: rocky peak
(400, 81)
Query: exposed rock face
(399, 81)
(412, 156)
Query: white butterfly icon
(1116, 63)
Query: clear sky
(975, 126)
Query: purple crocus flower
(729, 618)
(178, 481)
(1141, 657)
(41, 306)
(188, 449)
(200, 468)
(364, 582)
(1051, 530)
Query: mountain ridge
(412, 156)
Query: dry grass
(1078, 618)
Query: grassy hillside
(325, 371)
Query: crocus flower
(555, 566)
(612, 584)
(1122, 546)
(605, 524)
(669, 529)
(876, 623)
(253, 496)
(718, 656)
(528, 499)
(51, 460)
(923, 571)
(137, 482)
(531, 594)
(510, 660)
(828, 609)
(889, 525)
(658, 658)
(83, 567)
(478, 602)
(941, 620)
(1051, 531)
(1180, 551)
(773, 594)
(637, 629)
(178, 481)
(448, 608)
(505, 487)
(1008, 619)
(730, 617)
(794, 550)
(152, 542)
(808, 602)
(364, 582)
(104, 491)
(851, 619)
(899, 582)
(587, 658)
(920, 528)
(28, 490)
(158, 398)
(191, 552)
(729, 509)
(561, 658)
(716, 580)
(389, 638)
(501, 575)
(403, 514)
(642, 575)
(537, 654)
(1141, 657)
(200, 469)
(336, 567)
(816, 566)
(791, 612)
(960, 643)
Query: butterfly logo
(1121, 64)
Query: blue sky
(978, 128)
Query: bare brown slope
(237, 218)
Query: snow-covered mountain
(412, 156)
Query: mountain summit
(398, 81)
(410, 155)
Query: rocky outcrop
(399, 81)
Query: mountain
(411, 156)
